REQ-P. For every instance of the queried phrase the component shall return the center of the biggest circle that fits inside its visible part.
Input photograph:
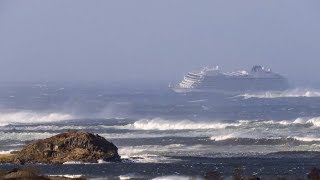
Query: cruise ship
(213, 80)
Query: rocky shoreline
(70, 146)
(79, 146)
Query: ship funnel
(256, 68)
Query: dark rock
(30, 174)
(238, 173)
(281, 178)
(212, 175)
(70, 146)
(23, 174)
(314, 174)
(253, 178)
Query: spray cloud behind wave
(298, 92)
(31, 117)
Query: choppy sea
(165, 135)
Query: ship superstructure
(213, 80)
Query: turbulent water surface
(161, 134)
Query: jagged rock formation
(69, 146)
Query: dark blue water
(161, 133)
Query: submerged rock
(69, 146)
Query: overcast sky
(100, 40)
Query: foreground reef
(30, 174)
(26, 173)
(65, 147)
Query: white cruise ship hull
(213, 81)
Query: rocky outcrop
(31, 174)
(69, 146)
(314, 174)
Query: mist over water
(160, 126)
(105, 66)
(51, 108)
(297, 92)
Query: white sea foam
(216, 130)
(232, 136)
(130, 151)
(315, 121)
(223, 137)
(131, 176)
(80, 162)
(31, 117)
(124, 177)
(99, 161)
(6, 152)
(71, 176)
(307, 138)
(288, 93)
(149, 153)
(162, 124)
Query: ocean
(166, 135)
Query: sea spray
(32, 117)
(283, 94)
(163, 124)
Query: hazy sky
(148, 39)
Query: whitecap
(315, 121)
(281, 94)
(149, 153)
(163, 124)
(223, 137)
(131, 176)
(307, 138)
(71, 176)
(6, 152)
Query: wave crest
(162, 124)
(234, 140)
(314, 121)
(282, 94)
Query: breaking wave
(315, 121)
(308, 121)
(7, 118)
(283, 94)
(223, 137)
(162, 124)
(69, 176)
(148, 153)
(233, 140)
(6, 152)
